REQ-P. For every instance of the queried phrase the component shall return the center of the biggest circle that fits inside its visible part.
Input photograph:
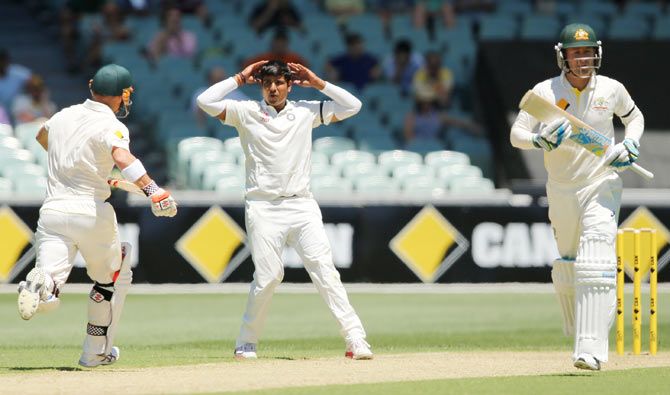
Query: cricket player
(83, 143)
(584, 196)
(276, 135)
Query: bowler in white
(276, 136)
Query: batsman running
(276, 135)
(584, 197)
(83, 143)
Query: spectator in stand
(4, 118)
(12, 79)
(277, 14)
(387, 8)
(427, 121)
(69, 27)
(427, 13)
(190, 7)
(35, 103)
(279, 50)
(435, 78)
(172, 40)
(343, 9)
(401, 66)
(110, 28)
(214, 75)
(356, 66)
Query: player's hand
(162, 204)
(553, 134)
(248, 75)
(305, 77)
(623, 154)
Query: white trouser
(296, 222)
(60, 235)
(585, 220)
(576, 211)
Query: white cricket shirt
(81, 138)
(595, 105)
(277, 146)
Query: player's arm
(548, 137)
(162, 204)
(43, 138)
(627, 152)
(344, 103)
(212, 100)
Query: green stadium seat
(647, 9)
(540, 27)
(343, 158)
(324, 169)
(5, 188)
(18, 170)
(12, 155)
(662, 28)
(404, 171)
(331, 145)
(628, 27)
(202, 162)
(391, 159)
(424, 145)
(6, 130)
(354, 171)
(497, 27)
(512, 8)
(470, 185)
(319, 158)
(31, 186)
(10, 142)
(437, 159)
(422, 187)
(447, 173)
(330, 186)
(376, 187)
(598, 7)
(377, 144)
(230, 186)
(214, 172)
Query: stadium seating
(628, 27)
(376, 187)
(389, 160)
(5, 187)
(331, 145)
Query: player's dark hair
(274, 68)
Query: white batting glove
(162, 204)
(623, 154)
(553, 134)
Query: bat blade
(583, 134)
(125, 185)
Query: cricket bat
(586, 136)
(125, 185)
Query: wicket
(637, 247)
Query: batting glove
(623, 154)
(162, 204)
(553, 134)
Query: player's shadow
(58, 368)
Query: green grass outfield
(180, 329)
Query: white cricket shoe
(94, 360)
(246, 351)
(587, 362)
(358, 349)
(31, 292)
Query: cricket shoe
(246, 351)
(587, 362)
(358, 349)
(95, 360)
(31, 292)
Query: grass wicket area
(187, 329)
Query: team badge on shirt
(118, 134)
(600, 104)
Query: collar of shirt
(97, 106)
(590, 86)
(271, 110)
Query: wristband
(150, 188)
(134, 171)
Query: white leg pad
(121, 287)
(595, 292)
(563, 277)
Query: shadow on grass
(58, 368)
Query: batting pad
(563, 277)
(595, 295)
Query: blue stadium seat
(598, 7)
(424, 145)
(647, 9)
(497, 27)
(540, 27)
(662, 28)
(628, 28)
(377, 144)
(514, 7)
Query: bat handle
(642, 171)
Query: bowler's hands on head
(248, 75)
(305, 77)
